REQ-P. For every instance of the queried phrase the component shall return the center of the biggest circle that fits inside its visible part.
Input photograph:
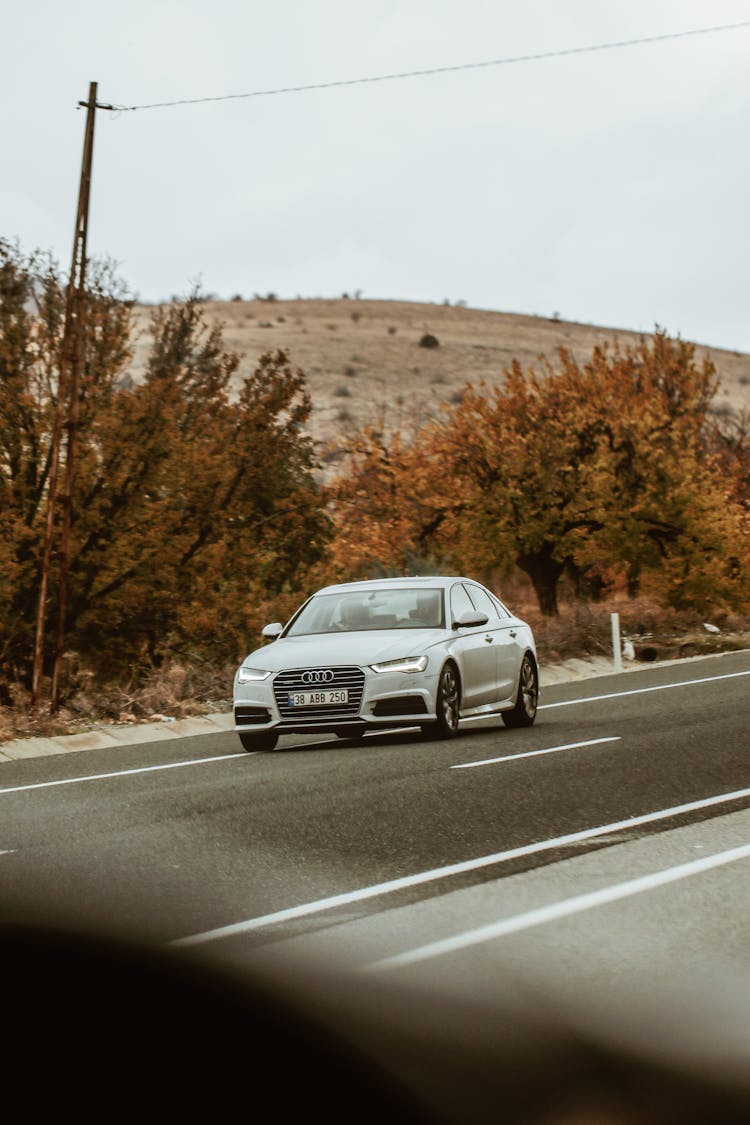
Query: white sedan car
(391, 652)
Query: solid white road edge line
(557, 910)
(536, 753)
(348, 897)
(121, 773)
(641, 691)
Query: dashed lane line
(536, 753)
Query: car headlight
(405, 664)
(247, 675)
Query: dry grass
(584, 629)
(372, 349)
(177, 690)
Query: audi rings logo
(317, 676)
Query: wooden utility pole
(66, 420)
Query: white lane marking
(535, 753)
(120, 773)
(562, 909)
(348, 897)
(641, 691)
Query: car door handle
(513, 632)
(489, 638)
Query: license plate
(322, 697)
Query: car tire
(448, 704)
(260, 742)
(523, 712)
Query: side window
(460, 602)
(502, 611)
(484, 603)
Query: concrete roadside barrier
(113, 736)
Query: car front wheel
(448, 706)
(524, 711)
(257, 743)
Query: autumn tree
(194, 494)
(529, 478)
(587, 469)
(600, 464)
(727, 440)
(387, 506)
(31, 316)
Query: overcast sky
(610, 187)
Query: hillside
(364, 363)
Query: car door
(473, 648)
(504, 645)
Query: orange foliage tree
(388, 507)
(595, 468)
(194, 493)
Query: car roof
(407, 582)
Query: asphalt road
(602, 856)
(181, 839)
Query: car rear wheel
(448, 707)
(257, 743)
(524, 711)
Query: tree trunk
(634, 580)
(589, 584)
(544, 572)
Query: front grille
(350, 679)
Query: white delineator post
(616, 645)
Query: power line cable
(507, 61)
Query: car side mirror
(272, 631)
(470, 620)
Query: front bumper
(375, 701)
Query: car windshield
(349, 611)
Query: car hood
(343, 648)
